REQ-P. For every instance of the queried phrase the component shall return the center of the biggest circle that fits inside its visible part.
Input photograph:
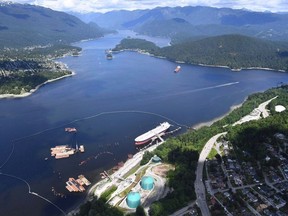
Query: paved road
(199, 185)
(262, 107)
(184, 210)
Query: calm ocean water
(110, 102)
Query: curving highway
(199, 185)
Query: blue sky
(108, 5)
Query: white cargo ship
(154, 133)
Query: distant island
(234, 51)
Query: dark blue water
(110, 102)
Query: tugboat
(70, 130)
(109, 54)
(75, 54)
(177, 69)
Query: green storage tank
(133, 199)
(147, 183)
(156, 159)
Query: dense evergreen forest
(24, 69)
(183, 151)
(233, 51)
(24, 25)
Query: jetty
(76, 185)
(62, 151)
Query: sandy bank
(209, 123)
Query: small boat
(75, 54)
(177, 69)
(109, 56)
(70, 130)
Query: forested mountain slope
(234, 51)
(27, 25)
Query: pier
(76, 185)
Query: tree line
(233, 51)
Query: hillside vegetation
(28, 25)
(233, 51)
(247, 137)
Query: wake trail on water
(203, 89)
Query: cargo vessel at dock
(152, 134)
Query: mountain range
(182, 22)
(28, 25)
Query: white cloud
(108, 5)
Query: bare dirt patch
(162, 169)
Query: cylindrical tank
(147, 183)
(133, 199)
(156, 159)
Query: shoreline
(26, 94)
(137, 157)
(75, 209)
(199, 64)
(209, 123)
